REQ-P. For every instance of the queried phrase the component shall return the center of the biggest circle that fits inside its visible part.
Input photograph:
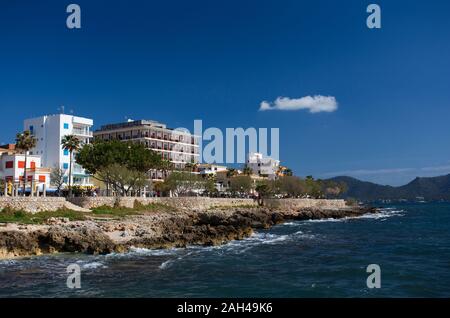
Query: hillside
(434, 188)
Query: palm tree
(231, 172)
(24, 142)
(71, 144)
(191, 166)
(247, 171)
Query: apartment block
(12, 169)
(178, 147)
(49, 132)
(263, 166)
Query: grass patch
(8, 215)
(113, 211)
(138, 209)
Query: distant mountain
(435, 188)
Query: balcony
(77, 169)
(82, 132)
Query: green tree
(288, 172)
(190, 166)
(290, 186)
(264, 189)
(231, 172)
(125, 180)
(314, 187)
(97, 158)
(102, 154)
(247, 171)
(25, 141)
(183, 183)
(71, 144)
(241, 184)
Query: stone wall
(37, 204)
(201, 203)
(33, 204)
(180, 202)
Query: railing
(82, 132)
(78, 169)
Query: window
(65, 166)
(66, 126)
(21, 165)
(9, 164)
(33, 165)
(42, 179)
(66, 152)
(31, 129)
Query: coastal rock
(154, 230)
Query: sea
(408, 243)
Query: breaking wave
(382, 214)
(93, 265)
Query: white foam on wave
(273, 239)
(327, 220)
(170, 262)
(138, 251)
(300, 234)
(153, 252)
(289, 224)
(166, 264)
(94, 265)
(382, 215)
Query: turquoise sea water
(326, 258)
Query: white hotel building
(49, 132)
(175, 146)
(261, 165)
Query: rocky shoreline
(153, 230)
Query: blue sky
(176, 61)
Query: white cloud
(367, 172)
(437, 168)
(315, 104)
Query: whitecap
(153, 252)
(302, 235)
(138, 251)
(327, 220)
(289, 224)
(166, 264)
(273, 238)
(94, 265)
(382, 214)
